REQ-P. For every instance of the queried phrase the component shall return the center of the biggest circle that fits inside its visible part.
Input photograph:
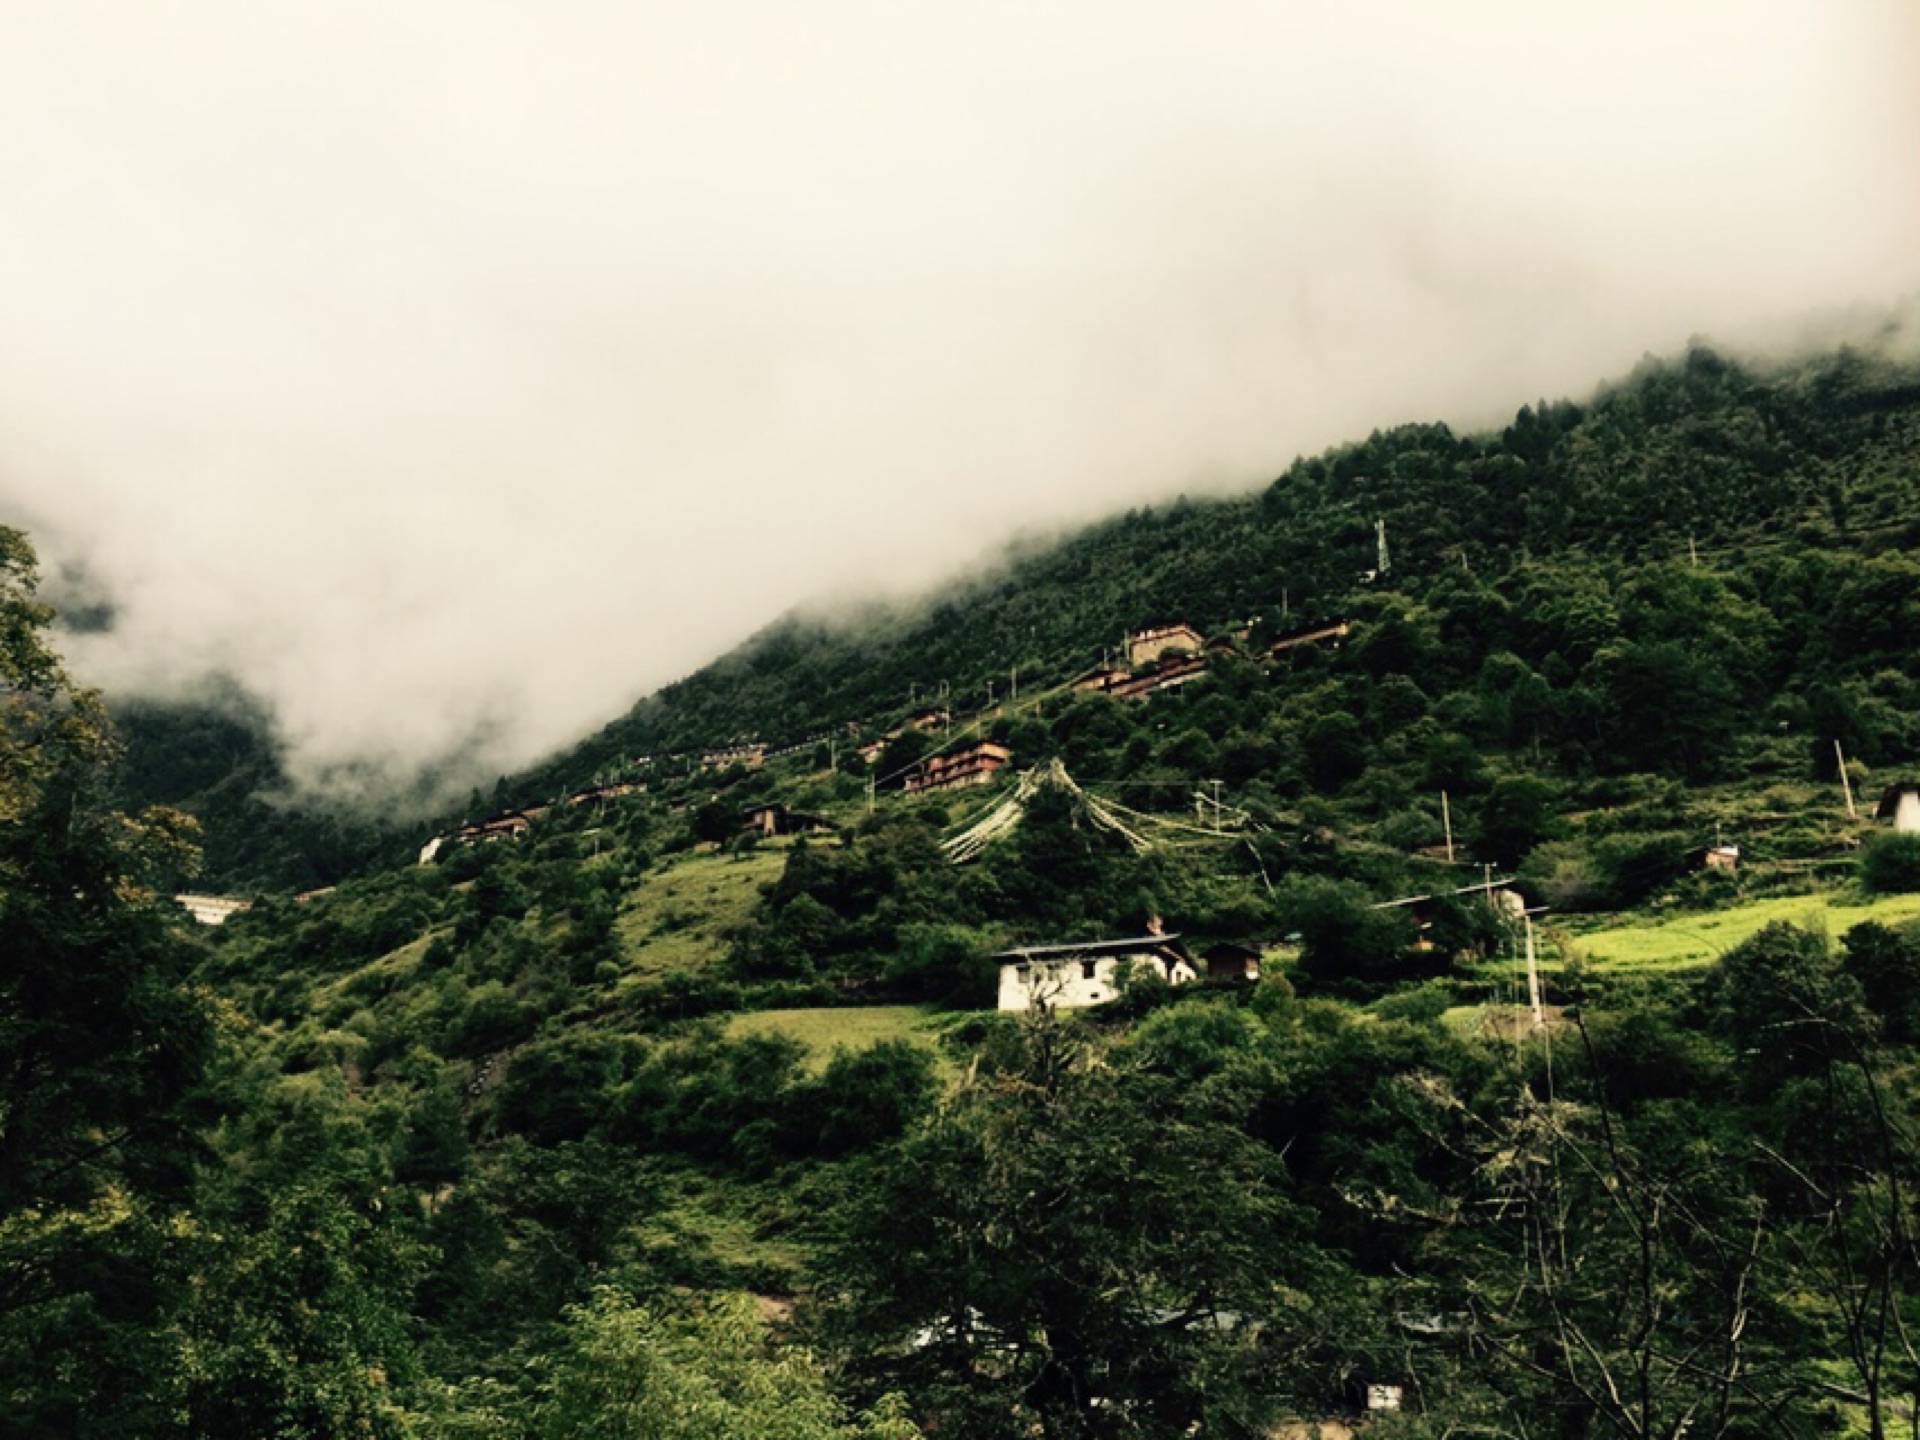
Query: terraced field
(1702, 937)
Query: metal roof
(1088, 947)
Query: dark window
(1086, 969)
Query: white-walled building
(1901, 805)
(1071, 977)
(212, 909)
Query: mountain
(667, 1085)
(1704, 456)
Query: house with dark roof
(1168, 674)
(1146, 646)
(973, 764)
(1325, 632)
(771, 820)
(1232, 960)
(1900, 803)
(1071, 977)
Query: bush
(1344, 942)
(1890, 864)
(867, 1096)
(949, 964)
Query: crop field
(1702, 937)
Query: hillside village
(1161, 657)
(1402, 1024)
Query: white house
(212, 909)
(1901, 804)
(1070, 977)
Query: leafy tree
(1885, 962)
(1345, 944)
(869, 1096)
(705, 1372)
(104, 1046)
(1787, 1004)
(1517, 814)
(1890, 864)
(1038, 1256)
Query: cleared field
(679, 916)
(823, 1031)
(1700, 939)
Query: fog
(453, 374)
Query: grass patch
(680, 916)
(703, 1223)
(1700, 939)
(823, 1031)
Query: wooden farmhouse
(1168, 674)
(752, 755)
(1231, 960)
(1099, 679)
(1901, 804)
(1072, 977)
(1146, 646)
(771, 820)
(504, 827)
(1327, 633)
(612, 791)
(1720, 857)
(973, 764)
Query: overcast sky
(454, 373)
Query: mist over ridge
(452, 382)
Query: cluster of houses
(514, 824)
(1165, 657)
(928, 719)
(1158, 658)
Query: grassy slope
(678, 918)
(1700, 938)
(823, 1031)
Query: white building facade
(1072, 977)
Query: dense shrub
(1890, 864)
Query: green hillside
(672, 1078)
(1742, 468)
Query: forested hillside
(665, 1095)
(1704, 457)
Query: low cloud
(454, 374)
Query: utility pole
(1013, 685)
(1846, 785)
(1446, 819)
(871, 779)
(1533, 976)
(1693, 552)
